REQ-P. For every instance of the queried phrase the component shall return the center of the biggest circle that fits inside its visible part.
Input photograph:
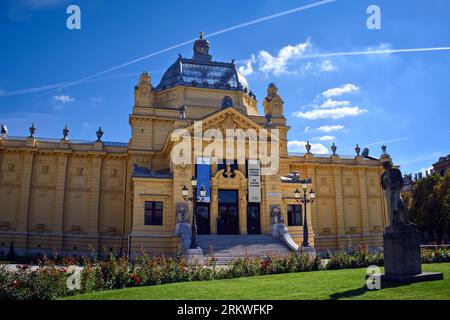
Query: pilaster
(25, 188)
(363, 199)
(58, 213)
(94, 206)
(340, 221)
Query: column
(340, 221)
(213, 208)
(243, 208)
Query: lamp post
(185, 193)
(304, 200)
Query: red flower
(64, 270)
(22, 267)
(14, 284)
(130, 277)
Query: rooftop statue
(272, 102)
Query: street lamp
(202, 193)
(185, 193)
(304, 200)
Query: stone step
(229, 247)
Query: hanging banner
(254, 181)
(203, 174)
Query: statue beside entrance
(276, 215)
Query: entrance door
(253, 218)
(203, 225)
(228, 215)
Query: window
(153, 213)
(294, 212)
(222, 164)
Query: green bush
(49, 280)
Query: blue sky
(400, 99)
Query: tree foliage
(429, 207)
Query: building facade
(68, 196)
(442, 165)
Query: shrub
(49, 280)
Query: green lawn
(338, 284)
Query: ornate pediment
(227, 119)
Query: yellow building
(68, 196)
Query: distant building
(442, 165)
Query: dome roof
(202, 72)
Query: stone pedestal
(402, 261)
(278, 229)
(307, 250)
(194, 256)
(184, 231)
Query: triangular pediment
(222, 120)
(228, 118)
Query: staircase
(229, 247)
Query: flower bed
(50, 279)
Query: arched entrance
(228, 202)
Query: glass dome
(202, 72)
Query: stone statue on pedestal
(401, 240)
(392, 184)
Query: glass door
(253, 218)
(228, 215)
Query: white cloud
(334, 103)
(327, 66)
(299, 146)
(284, 62)
(2, 92)
(96, 101)
(330, 128)
(247, 69)
(278, 64)
(334, 92)
(326, 138)
(336, 113)
(306, 129)
(63, 98)
(87, 125)
(21, 10)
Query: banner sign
(254, 181)
(203, 173)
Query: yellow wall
(68, 196)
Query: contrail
(57, 85)
(382, 142)
(387, 141)
(370, 52)
(239, 26)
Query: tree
(429, 207)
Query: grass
(335, 284)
